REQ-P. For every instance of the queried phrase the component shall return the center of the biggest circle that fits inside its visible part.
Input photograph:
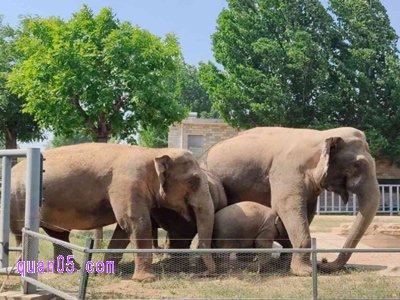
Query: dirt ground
(384, 232)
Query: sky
(193, 21)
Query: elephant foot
(328, 267)
(143, 276)
(301, 269)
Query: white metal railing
(331, 203)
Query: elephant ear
(329, 147)
(162, 164)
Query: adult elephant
(287, 169)
(181, 231)
(88, 186)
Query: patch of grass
(358, 285)
(350, 283)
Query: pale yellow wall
(213, 133)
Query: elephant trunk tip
(336, 265)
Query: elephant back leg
(180, 234)
(154, 233)
(60, 250)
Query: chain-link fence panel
(57, 266)
(241, 273)
(182, 275)
(367, 275)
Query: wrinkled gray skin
(180, 231)
(88, 186)
(246, 225)
(287, 169)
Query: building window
(196, 144)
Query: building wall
(212, 133)
(386, 170)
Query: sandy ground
(384, 263)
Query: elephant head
(184, 189)
(346, 165)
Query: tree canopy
(295, 63)
(96, 75)
(14, 124)
(192, 96)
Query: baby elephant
(246, 225)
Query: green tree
(291, 63)
(154, 137)
(14, 124)
(275, 58)
(96, 75)
(368, 73)
(192, 94)
(62, 140)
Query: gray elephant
(88, 186)
(287, 169)
(181, 231)
(246, 225)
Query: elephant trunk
(368, 200)
(203, 208)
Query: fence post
(33, 194)
(314, 269)
(391, 199)
(84, 274)
(5, 212)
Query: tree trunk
(11, 143)
(11, 139)
(102, 137)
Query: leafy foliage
(192, 94)
(14, 124)
(96, 75)
(275, 58)
(154, 137)
(369, 73)
(61, 140)
(293, 63)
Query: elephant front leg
(264, 240)
(119, 240)
(134, 218)
(292, 210)
(141, 236)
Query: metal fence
(33, 198)
(179, 274)
(331, 203)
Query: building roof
(193, 119)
